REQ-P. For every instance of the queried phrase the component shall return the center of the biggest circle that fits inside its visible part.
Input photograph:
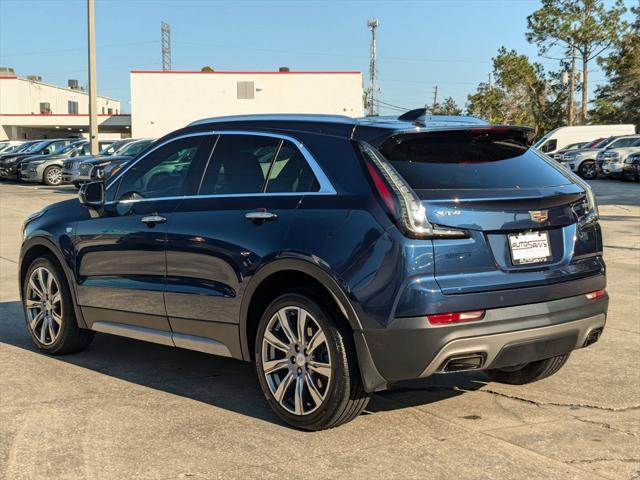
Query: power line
(48, 52)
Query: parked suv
(339, 255)
(612, 159)
(10, 164)
(47, 169)
(585, 161)
(76, 170)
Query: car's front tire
(52, 176)
(529, 372)
(48, 310)
(306, 364)
(588, 170)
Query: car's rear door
(521, 211)
(239, 219)
(120, 253)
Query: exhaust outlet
(463, 363)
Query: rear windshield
(469, 160)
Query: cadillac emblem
(539, 215)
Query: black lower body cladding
(412, 348)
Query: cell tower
(371, 101)
(165, 42)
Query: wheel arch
(284, 275)
(36, 247)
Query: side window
(549, 146)
(291, 172)
(623, 142)
(162, 173)
(240, 164)
(56, 146)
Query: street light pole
(93, 85)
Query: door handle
(153, 219)
(261, 216)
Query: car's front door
(239, 219)
(120, 254)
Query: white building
(32, 109)
(163, 101)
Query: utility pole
(435, 99)
(572, 80)
(490, 86)
(165, 42)
(93, 85)
(372, 107)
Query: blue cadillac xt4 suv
(339, 255)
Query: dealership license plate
(527, 248)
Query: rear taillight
(455, 317)
(595, 295)
(402, 203)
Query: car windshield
(13, 149)
(112, 148)
(35, 147)
(604, 142)
(133, 149)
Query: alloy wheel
(589, 171)
(296, 360)
(54, 176)
(43, 301)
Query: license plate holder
(529, 248)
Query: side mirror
(92, 194)
(46, 151)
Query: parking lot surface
(128, 409)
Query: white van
(561, 137)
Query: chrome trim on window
(326, 187)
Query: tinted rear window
(469, 160)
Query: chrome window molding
(326, 187)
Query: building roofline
(62, 114)
(83, 92)
(254, 72)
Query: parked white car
(559, 138)
(585, 161)
(612, 160)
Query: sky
(421, 44)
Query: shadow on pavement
(221, 382)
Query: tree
(585, 25)
(207, 69)
(449, 107)
(523, 94)
(619, 100)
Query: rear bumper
(411, 348)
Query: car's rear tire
(48, 310)
(588, 170)
(52, 176)
(529, 372)
(313, 382)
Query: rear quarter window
(469, 160)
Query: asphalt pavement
(127, 409)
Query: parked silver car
(612, 160)
(584, 161)
(47, 169)
(77, 171)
